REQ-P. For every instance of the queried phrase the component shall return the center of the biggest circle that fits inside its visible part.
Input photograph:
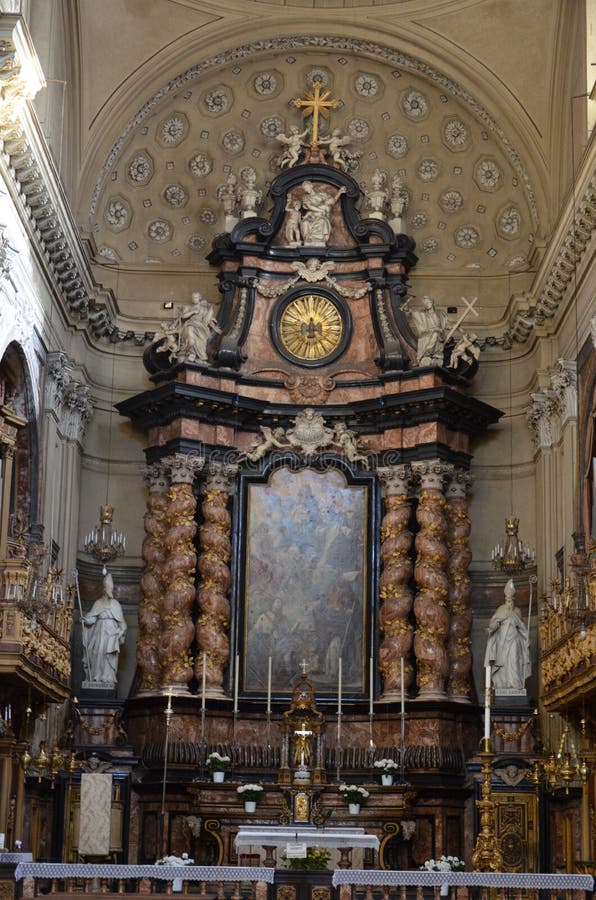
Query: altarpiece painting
(306, 553)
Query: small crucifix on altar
(302, 745)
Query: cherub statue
(349, 444)
(344, 159)
(466, 349)
(313, 269)
(293, 142)
(259, 447)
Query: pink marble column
(215, 550)
(177, 629)
(430, 605)
(396, 571)
(459, 643)
(153, 553)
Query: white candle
(236, 675)
(339, 686)
(487, 701)
(372, 685)
(269, 686)
(403, 690)
(204, 681)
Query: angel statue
(293, 142)
(344, 159)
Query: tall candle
(403, 689)
(339, 686)
(204, 681)
(372, 685)
(269, 686)
(487, 701)
(236, 676)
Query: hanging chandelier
(512, 555)
(104, 543)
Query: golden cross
(316, 104)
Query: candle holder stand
(487, 855)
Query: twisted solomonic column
(430, 605)
(215, 550)
(396, 562)
(459, 643)
(153, 552)
(177, 629)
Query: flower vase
(219, 776)
(250, 806)
(387, 780)
(353, 808)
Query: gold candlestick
(487, 855)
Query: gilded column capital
(395, 480)
(220, 476)
(155, 478)
(183, 467)
(432, 473)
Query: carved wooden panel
(517, 831)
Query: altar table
(251, 835)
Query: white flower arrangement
(217, 763)
(387, 766)
(353, 793)
(444, 864)
(250, 791)
(183, 860)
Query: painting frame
(305, 580)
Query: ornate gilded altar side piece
(487, 856)
(430, 604)
(396, 542)
(459, 643)
(153, 552)
(215, 577)
(177, 629)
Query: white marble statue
(186, 337)
(377, 197)
(103, 635)
(250, 195)
(227, 194)
(399, 204)
(508, 646)
(342, 157)
(293, 144)
(317, 204)
(430, 328)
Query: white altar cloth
(255, 835)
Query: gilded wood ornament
(430, 604)
(153, 552)
(396, 542)
(459, 643)
(215, 581)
